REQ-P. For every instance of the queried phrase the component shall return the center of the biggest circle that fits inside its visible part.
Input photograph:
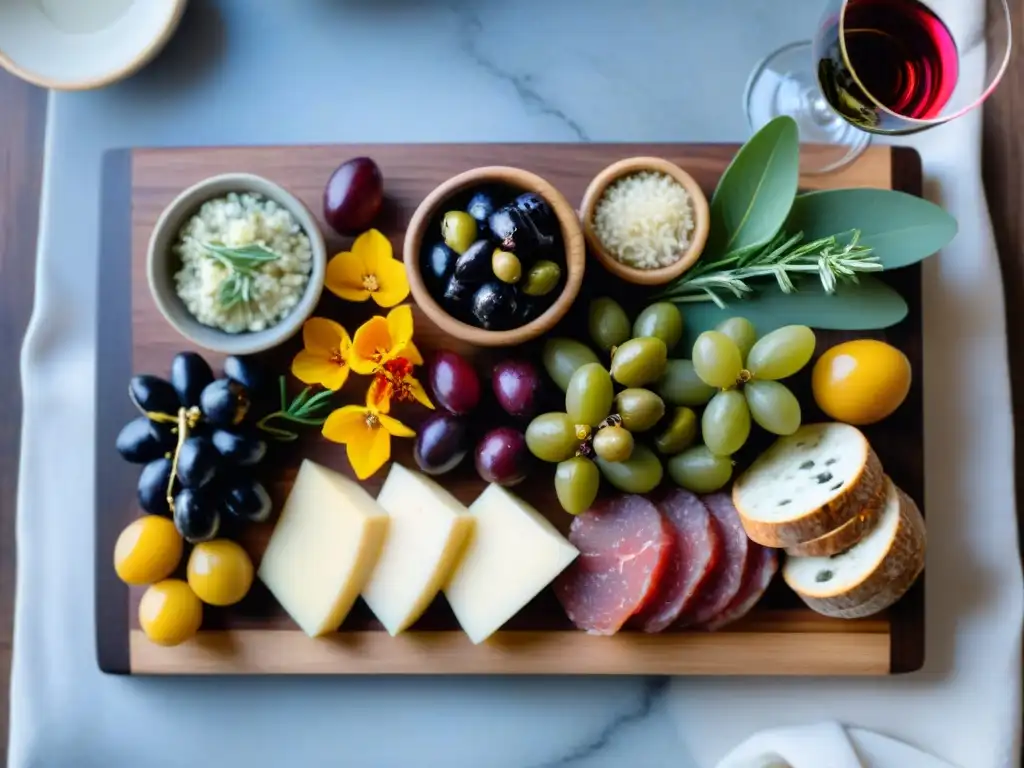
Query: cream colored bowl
(75, 45)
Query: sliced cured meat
(725, 580)
(625, 546)
(765, 562)
(697, 550)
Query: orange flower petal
(324, 337)
(410, 353)
(392, 281)
(314, 369)
(371, 340)
(400, 325)
(345, 424)
(395, 427)
(370, 451)
(372, 248)
(378, 396)
(416, 390)
(344, 276)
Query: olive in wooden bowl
(495, 256)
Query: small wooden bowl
(701, 220)
(572, 238)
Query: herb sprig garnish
(835, 259)
(307, 409)
(241, 263)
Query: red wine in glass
(886, 65)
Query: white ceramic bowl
(162, 263)
(75, 45)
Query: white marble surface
(265, 71)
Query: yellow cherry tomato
(147, 551)
(219, 572)
(861, 382)
(169, 612)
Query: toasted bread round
(843, 537)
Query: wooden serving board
(780, 637)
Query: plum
(353, 196)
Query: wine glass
(878, 67)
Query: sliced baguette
(871, 575)
(843, 537)
(808, 484)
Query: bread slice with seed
(871, 575)
(843, 537)
(808, 484)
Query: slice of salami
(725, 580)
(696, 552)
(625, 546)
(759, 576)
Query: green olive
(640, 474)
(506, 266)
(640, 409)
(613, 444)
(741, 331)
(563, 356)
(680, 385)
(699, 470)
(588, 398)
(609, 325)
(458, 229)
(542, 278)
(552, 437)
(576, 483)
(639, 361)
(680, 433)
(663, 321)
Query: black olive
(247, 372)
(225, 402)
(494, 305)
(246, 499)
(481, 206)
(440, 263)
(197, 462)
(522, 232)
(153, 394)
(195, 515)
(153, 482)
(534, 205)
(190, 374)
(474, 266)
(503, 224)
(141, 440)
(240, 449)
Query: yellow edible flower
(366, 433)
(325, 359)
(368, 271)
(380, 340)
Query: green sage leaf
(756, 192)
(901, 229)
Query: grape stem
(187, 419)
(306, 409)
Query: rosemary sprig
(307, 409)
(241, 263)
(834, 259)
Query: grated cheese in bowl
(645, 220)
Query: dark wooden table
(22, 117)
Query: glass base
(785, 83)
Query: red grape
(441, 443)
(517, 386)
(353, 196)
(455, 383)
(502, 456)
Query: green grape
(716, 359)
(640, 473)
(781, 353)
(699, 470)
(680, 385)
(741, 331)
(773, 406)
(726, 423)
(588, 398)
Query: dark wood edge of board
(113, 367)
(907, 625)
(113, 636)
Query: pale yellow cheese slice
(427, 532)
(323, 548)
(512, 554)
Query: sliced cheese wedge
(323, 548)
(808, 484)
(426, 535)
(871, 575)
(513, 553)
